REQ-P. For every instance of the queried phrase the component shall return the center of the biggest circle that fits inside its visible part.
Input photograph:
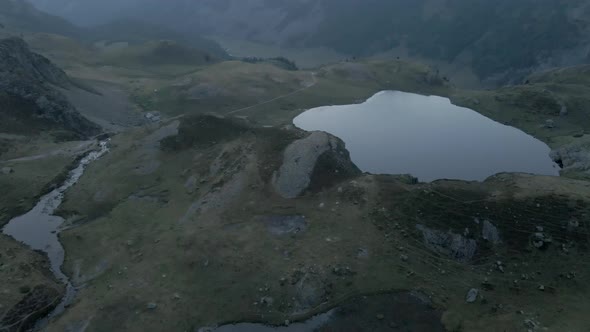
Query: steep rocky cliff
(29, 99)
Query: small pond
(428, 137)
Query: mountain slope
(19, 16)
(502, 41)
(29, 99)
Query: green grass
(217, 261)
(129, 246)
(229, 86)
(156, 53)
(527, 107)
(30, 180)
(24, 270)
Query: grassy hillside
(20, 17)
(140, 32)
(497, 36)
(268, 94)
(180, 226)
(155, 53)
(502, 41)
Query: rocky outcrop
(573, 157)
(30, 80)
(317, 159)
(37, 303)
(17, 59)
(449, 244)
(490, 233)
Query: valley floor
(183, 226)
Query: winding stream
(39, 228)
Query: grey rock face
(490, 233)
(549, 124)
(285, 225)
(574, 157)
(300, 160)
(191, 184)
(449, 244)
(563, 109)
(472, 295)
(17, 59)
(7, 170)
(311, 290)
(31, 79)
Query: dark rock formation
(36, 304)
(449, 244)
(573, 157)
(28, 93)
(320, 159)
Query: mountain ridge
(503, 41)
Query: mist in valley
(294, 165)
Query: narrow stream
(39, 228)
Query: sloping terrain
(211, 208)
(30, 99)
(18, 17)
(157, 53)
(200, 234)
(29, 291)
(501, 41)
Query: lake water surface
(428, 137)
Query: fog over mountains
(485, 34)
(294, 165)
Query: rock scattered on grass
(267, 301)
(540, 240)
(472, 295)
(449, 244)
(490, 233)
(500, 266)
(549, 124)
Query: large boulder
(448, 244)
(574, 157)
(37, 303)
(7, 170)
(490, 233)
(317, 160)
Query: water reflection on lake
(427, 136)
